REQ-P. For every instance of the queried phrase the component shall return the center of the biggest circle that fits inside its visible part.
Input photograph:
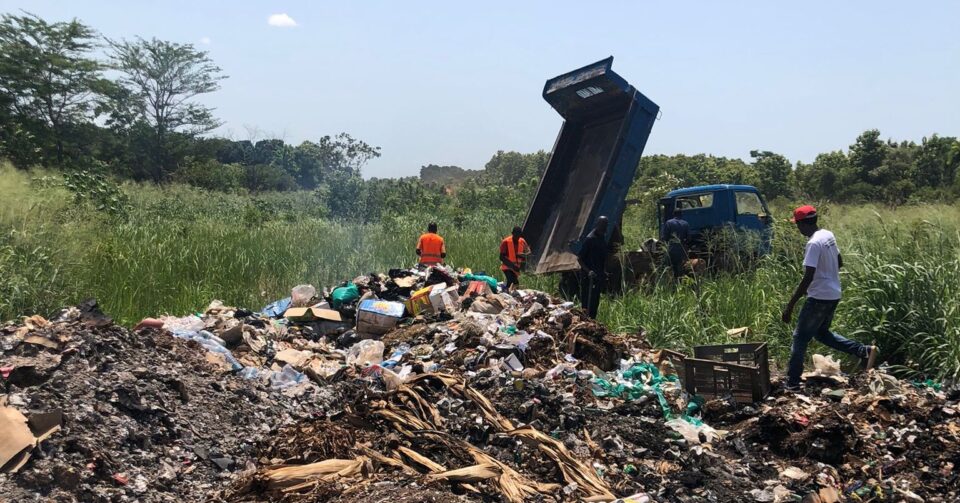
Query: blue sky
(452, 83)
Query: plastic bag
(209, 342)
(693, 432)
(190, 323)
(826, 365)
(392, 379)
(345, 295)
(288, 376)
(560, 369)
(364, 352)
(301, 295)
(277, 308)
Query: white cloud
(281, 20)
(206, 40)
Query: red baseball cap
(803, 213)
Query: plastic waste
(367, 351)
(392, 379)
(249, 373)
(345, 295)
(693, 433)
(560, 369)
(301, 295)
(826, 365)
(276, 308)
(209, 342)
(513, 363)
(191, 323)
(288, 376)
(520, 339)
(397, 355)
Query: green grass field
(182, 247)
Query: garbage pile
(435, 385)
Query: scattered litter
(356, 394)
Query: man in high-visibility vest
(430, 247)
(513, 254)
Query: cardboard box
(419, 302)
(307, 314)
(377, 317)
(445, 298)
(436, 296)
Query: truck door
(664, 209)
(699, 211)
(752, 215)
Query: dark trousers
(512, 279)
(590, 290)
(678, 257)
(814, 323)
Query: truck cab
(711, 208)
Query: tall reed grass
(182, 247)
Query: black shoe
(792, 388)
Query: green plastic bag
(345, 295)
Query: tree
(345, 154)
(821, 178)
(895, 176)
(866, 156)
(935, 164)
(165, 78)
(774, 172)
(46, 75)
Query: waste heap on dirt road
(430, 385)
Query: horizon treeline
(73, 101)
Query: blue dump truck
(606, 125)
(592, 166)
(710, 209)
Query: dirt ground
(148, 416)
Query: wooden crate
(741, 371)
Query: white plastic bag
(826, 365)
(692, 432)
(367, 351)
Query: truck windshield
(748, 203)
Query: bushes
(211, 175)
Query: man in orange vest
(513, 254)
(430, 248)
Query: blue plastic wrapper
(277, 308)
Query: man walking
(593, 260)
(676, 233)
(513, 254)
(430, 247)
(821, 285)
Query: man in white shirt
(821, 285)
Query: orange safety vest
(514, 255)
(432, 248)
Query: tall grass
(182, 247)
